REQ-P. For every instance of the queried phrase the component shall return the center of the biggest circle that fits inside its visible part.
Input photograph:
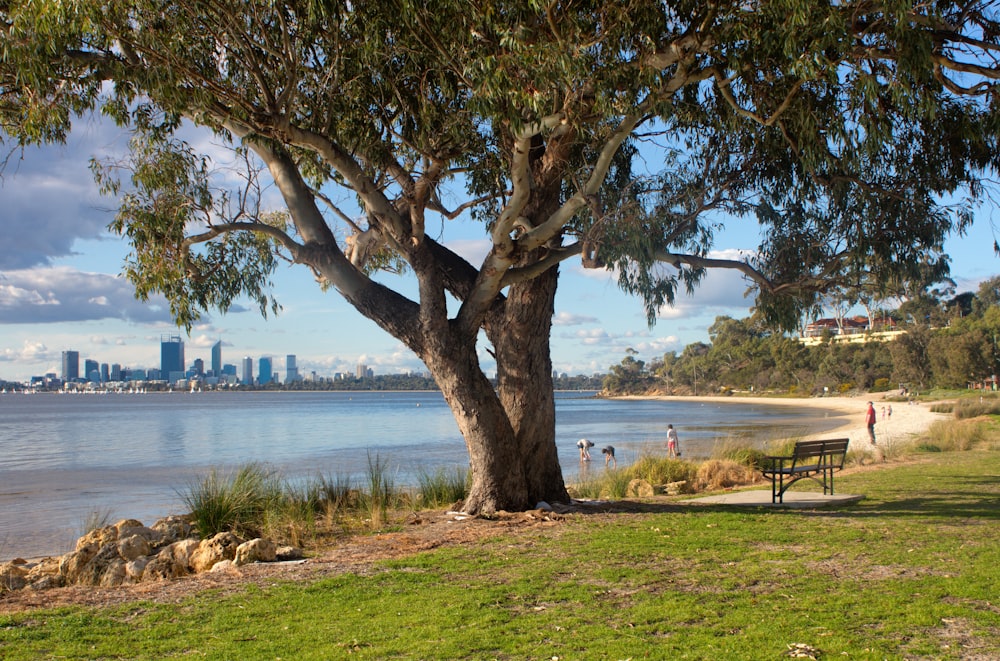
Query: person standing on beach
(673, 443)
(870, 421)
(609, 455)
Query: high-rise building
(198, 367)
(362, 371)
(105, 373)
(116, 372)
(91, 370)
(266, 370)
(171, 357)
(217, 359)
(248, 371)
(291, 369)
(70, 365)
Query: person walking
(673, 443)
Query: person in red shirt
(870, 421)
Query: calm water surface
(63, 457)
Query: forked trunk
(495, 461)
(509, 432)
(524, 383)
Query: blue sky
(60, 290)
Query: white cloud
(473, 251)
(570, 319)
(57, 294)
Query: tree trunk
(495, 460)
(524, 383)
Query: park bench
(816, 460)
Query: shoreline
(907, 419)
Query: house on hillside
(846, 326)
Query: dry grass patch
(717, 474)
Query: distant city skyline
(173, 366)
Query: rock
(164, 566)
(154, 538)
(72, 563)
(127, 524)
(99, 537)
(174, 528)
(182, 551)
(220, 547)
(639, 488)
(12, 577)
(256, 550)
(224, 566)
(285, 553)
(45, 567)
(104, 561)
(114, 573)
(47, 582)
(675, 488)
(134, 546)
(135, 569)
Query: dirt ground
(421, 531)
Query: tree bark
(525, 386)
(495, 459)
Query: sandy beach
(906, 420)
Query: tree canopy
(622, 134)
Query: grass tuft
(381, 494)
(443, 487)
(237, 502)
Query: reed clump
(444, 487)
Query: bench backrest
(831, 451)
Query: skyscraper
(291, 369)
(70, 365)
(91, 370)
(171, 358)
(266, 370)
(217, 359)
(248, 370)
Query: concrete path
(762, 498)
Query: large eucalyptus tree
(612, 132)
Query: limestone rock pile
(129, 552)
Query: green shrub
(880, 385)
(943, 407)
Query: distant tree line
(951, 343)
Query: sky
(60, 289)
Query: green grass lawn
(910, 572)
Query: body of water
(64, 457)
